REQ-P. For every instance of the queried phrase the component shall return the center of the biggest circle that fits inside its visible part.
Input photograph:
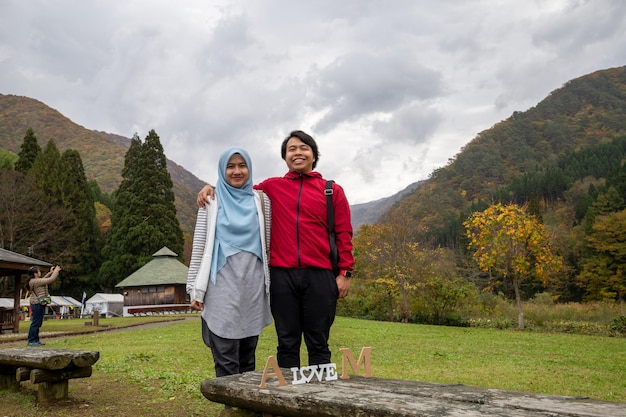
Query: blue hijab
(237, 225)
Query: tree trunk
(404, 306)
(518, 300)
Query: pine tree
(81, 227)
(59, 225)
(157, 194)
(46, 172)
(603, 274)
(609, 202)
(98, 195)
(29, 151)
(118, 260)
(143, 219)
(27, 221)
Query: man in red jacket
(304, 289)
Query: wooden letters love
(323, 372)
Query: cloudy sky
(391, 89)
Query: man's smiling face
(299, 156)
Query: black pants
(233, 356)
(303, 302)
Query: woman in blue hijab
(228, 274)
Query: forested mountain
(102, 153)
(585, 112)
(564, 157)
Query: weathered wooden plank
(22, 374)
(48, 392)
(85, 358)
(371, 397)
(9, 382)
(39, 375)
(34, 358)
(50, 359)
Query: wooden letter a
(271, 362)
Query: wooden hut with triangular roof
(161, 282)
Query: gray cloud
(358, 85)
(390, 89)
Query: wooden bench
(7, 320)
(361, 397)
(159, 309)
(51, 369)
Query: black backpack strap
(329, 205)
(334, 254)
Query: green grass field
(156, 371)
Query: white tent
(107, 305)
(8, 303)
(64, 305)
(64, 300)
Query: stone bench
(50, 369)
(361, 397)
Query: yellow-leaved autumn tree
(394, 265)
(509, 242)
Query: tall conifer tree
(46, 176)
(46, 172)
(29, 151)
(143, 219)
(117, 255)
(81, 227)
(28, 222)
(77, 240)
(156, 189)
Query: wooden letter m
(364, 358)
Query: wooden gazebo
(16, 265)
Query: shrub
(618, 326)
(496, 323)
(574, 327)
(543, 298)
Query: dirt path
(16, 337)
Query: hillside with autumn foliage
(564, 160)
(102, 153)
(527, 147)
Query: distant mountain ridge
(369, 213)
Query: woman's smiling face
(237, 173)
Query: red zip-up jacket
(299, 222)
